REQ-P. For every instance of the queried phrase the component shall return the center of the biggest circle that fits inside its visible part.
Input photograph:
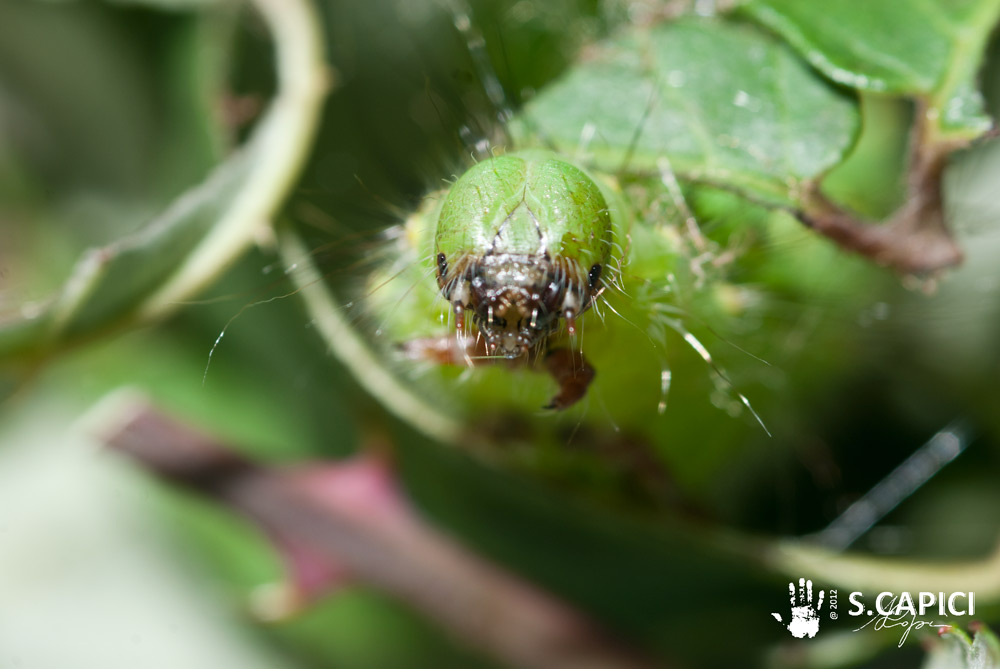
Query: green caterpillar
(593, 267)
(521, 243)
(521, 248)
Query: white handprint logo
(805, 618)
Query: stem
(285, 137)
(868, 574)
(394, 551)
(357, 355)
(915, 239)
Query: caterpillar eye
(594, 275)
(442, 263)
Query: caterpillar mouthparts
(515, 300)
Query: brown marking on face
(517, 301)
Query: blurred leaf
(92, 124)
(168, 4)
(927, 48)
(112, 281)
(147, 274)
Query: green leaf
(726, 104)
(148, 274)
(928, 48)
(111, 282)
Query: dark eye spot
(442, 265)
(594, 275)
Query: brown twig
(391, 549)
(915, 239)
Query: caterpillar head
(518, 301)
(520, 245)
